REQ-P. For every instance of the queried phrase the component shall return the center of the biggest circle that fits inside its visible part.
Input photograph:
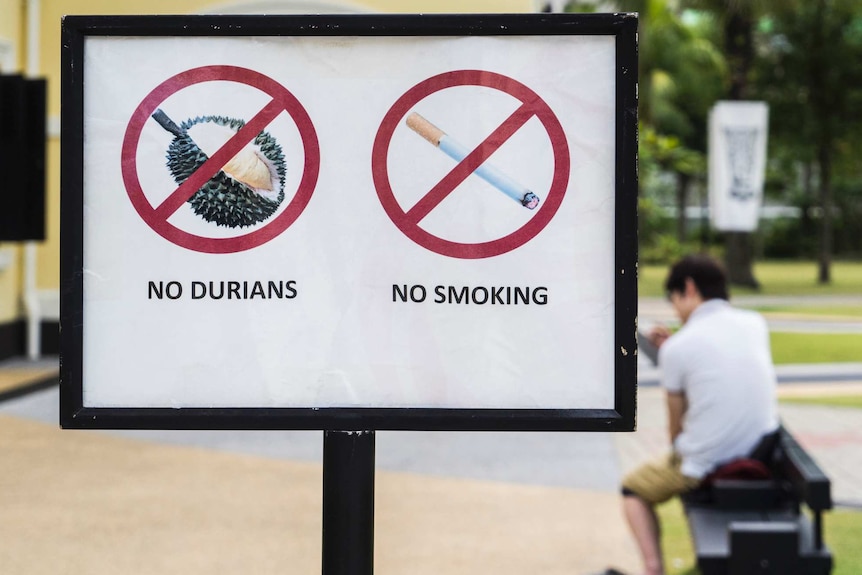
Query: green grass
(651, 280)
(842, 533)
(776, 278)
(816, 347)
(675, 539)
(831, 311)
(851, 401)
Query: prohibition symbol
(156, 216)
(408, 220)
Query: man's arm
(650, 342)
(658, 335)
(676, 408)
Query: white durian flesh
(249, 166)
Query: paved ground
(228, 502)
(225, 502)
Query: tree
(736, 18)
(811, 72)
(668, 154)
(681, 74)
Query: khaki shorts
(659, 480)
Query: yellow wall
(10, 285)
(51, 13)
(10, 23)
(10, 277)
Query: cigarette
(458, 152)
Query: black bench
(744, 526)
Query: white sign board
(354, 222)
(737, 164)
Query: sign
(157, 216)
(350, 222)
(737, 164)
(531, 106)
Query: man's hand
(658, 335)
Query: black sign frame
(73, 411)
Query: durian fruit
(247, 190)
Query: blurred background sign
(737, 164)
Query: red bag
(742, 468)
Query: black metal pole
(348, 502)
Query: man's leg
(645, 527)
(650, 484)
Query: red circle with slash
(531, 105)
(157, 216)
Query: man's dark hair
(708, 276)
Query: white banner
(463, 259)
(737, 164)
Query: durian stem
(166, 123)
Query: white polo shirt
(721, 360)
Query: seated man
(720, 382)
